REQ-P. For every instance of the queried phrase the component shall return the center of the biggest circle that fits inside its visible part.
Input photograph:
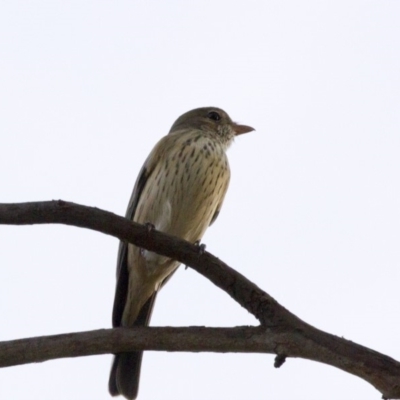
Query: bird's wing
(122, 261)
(215, 216)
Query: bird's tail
(125, 370)
(125, 374)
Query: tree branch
(281, 332)
(117, 340)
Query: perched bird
(180, 191)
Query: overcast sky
(312, 213)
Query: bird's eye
(214, 116)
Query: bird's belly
(183, 200)
(182, 213)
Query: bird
(180, 190)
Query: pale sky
(312, 213)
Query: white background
(312, 213)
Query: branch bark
(281, 332)
(104, 341)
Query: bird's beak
(240, 129)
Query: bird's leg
(201, 247)
(150, 227)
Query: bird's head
(212, 120)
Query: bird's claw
(150, 227)
(201, 247)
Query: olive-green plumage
(180, 191)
